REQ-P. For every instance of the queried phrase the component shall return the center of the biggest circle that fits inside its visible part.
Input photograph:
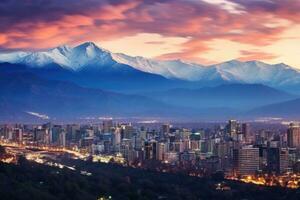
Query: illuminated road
(45, 148)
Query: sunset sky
(203, 31)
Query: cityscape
(234, 150)
(149, 100)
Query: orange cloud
(256, 55)
(198, 21)
(3, 39)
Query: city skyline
(149, 99)
(201, 31)
(264, 154)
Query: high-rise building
(293, 136)
(166, 128)
(277, 160)
(42, 135)
(284, 160)
(148, 150)
(246, 131)
(107, 125)
(160, 152)
(62, 139)
(72, 130)
(125, 147)
(263, 155)
(247, 162)
(195, 144)
(48, 136)
(56, 130)
(232, 128)
(273, 160)
(17, 135)
(154, 150)
(117, 137)
(128, 131)
(178, 146)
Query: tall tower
(62, 139)
(165, 128)
(246, 131)
(232, 128)
(107, 125)
(293, 136)
(160, 151)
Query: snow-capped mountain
(88, 55)
(258, 72)
(169, 69)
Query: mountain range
(90, 57)
(25, 93)
(239, 96)
(87, 80)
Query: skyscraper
(62, 139)
(148, 150)
(246, 131)
(232, 128)
(128, 131)
(247, 162)
(166, 128)
(273, 160)
(293, 136)
(160, 151)
(284, 160)
(107, 125)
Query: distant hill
(287, 109)
(126, 80)
(24, 92)
(24, 95)
(239, 96)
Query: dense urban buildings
(234, 149)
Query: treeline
(34, 181)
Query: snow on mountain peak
(88, 44)
(90, 48)
(64, 49)
(71, 58)
(169, 69)
(12, 57)
(88, 55)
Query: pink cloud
(256, 55)
(200, 22)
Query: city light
(252, 156)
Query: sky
(202, 31)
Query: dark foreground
(34, 181)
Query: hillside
(33, 181)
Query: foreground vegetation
(32, 181)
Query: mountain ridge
(89, 57)
(230, 88)
(238, 96)
(286, 109)
(24, 92)
(88, 53)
